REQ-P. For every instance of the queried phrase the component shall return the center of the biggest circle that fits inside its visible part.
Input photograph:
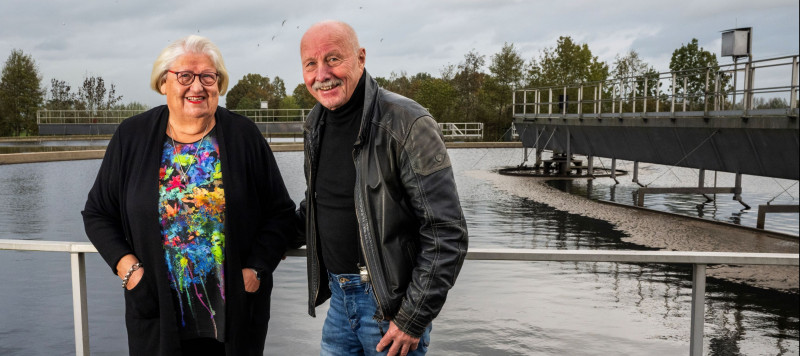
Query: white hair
(188, 44)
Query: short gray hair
(188, 44)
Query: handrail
(461, 129)
(698, 260)
(698, 90)
(45, 116)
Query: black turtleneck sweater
(335, 184)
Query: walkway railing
(699, 261)
(462, 130)
(767, 84)
(117, 116)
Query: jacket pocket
(141, 302)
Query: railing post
(705, 93)
(538, 101)
(614, 100)
(566, 102)
(524, 101)
(794, 88)
(672, 101)
(685, 91)
(751, 74)
(698, 309)
(580, 101)
(658, 91)
(633, 95)
(600, 98)
(717, 92)
(550, 102)
(646, 93)
(79, 304)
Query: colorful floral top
(192, 213)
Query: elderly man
(384, 228)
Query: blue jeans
(349, 327)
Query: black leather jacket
(411, 226)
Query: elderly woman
(190, 211)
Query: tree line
(22, 94)
(478, 89)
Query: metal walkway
(736, 118)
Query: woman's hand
(124, 265)
(251, 282)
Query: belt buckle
(362, 272)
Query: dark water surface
(496, 308)
(755, 191)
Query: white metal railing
(693, 90)
(699, 261)
(275, 115)
(463, 130)
(117, 116)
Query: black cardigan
(121, 217)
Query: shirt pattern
(192, 218)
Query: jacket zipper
(372, 277)
(310, 211)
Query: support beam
(698, 309)
(567, 167)
(590, 165)
(79, 303)
(701, 182)
(737, 194)
(764, 209)
(636, 173)
(614, 170)
(681, 190)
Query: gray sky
(120, 39)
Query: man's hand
(401, 342)
(251, 282)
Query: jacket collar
(314, 119)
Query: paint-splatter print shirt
(192, 213)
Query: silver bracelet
(133, 268)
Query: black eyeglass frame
(195, 75)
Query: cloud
(119, 39)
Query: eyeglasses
(187, 78)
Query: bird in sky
(284, 21)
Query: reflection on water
(755, 191)
(496, 308)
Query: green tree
(438, 96)
(468, 81)
(61, 97)
(289, 102)
(397, 83)
(20, 95)
(507, 74)
(94, 96)
(302, 97)
(252, 89)
(567, 63)
(631, 71)
(134, 105)
(693, 62)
